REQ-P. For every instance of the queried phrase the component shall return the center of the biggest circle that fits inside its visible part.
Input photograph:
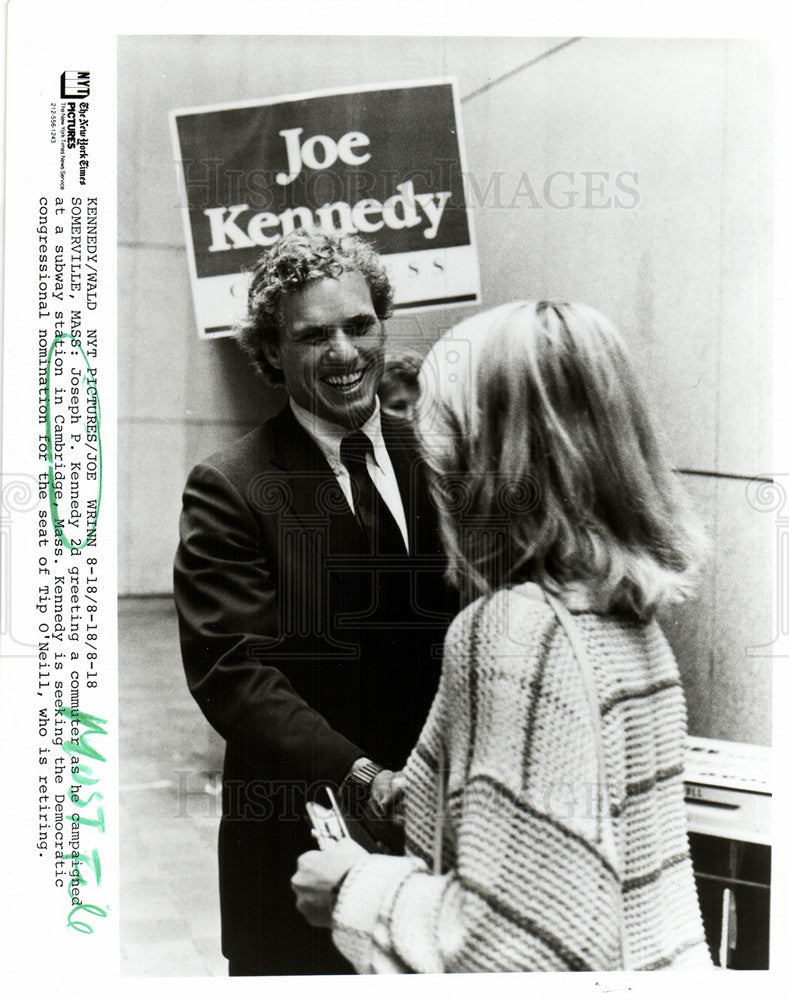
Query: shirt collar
(328, 436)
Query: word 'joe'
(306, 153)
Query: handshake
(368, 819)
(371, 814)
(386, 796)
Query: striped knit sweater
(533, 877)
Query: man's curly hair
(291, 262)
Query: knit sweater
(533, 875)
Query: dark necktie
(372, 513)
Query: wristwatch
(358, 782)
(376, 832)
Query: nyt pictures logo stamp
(71, 114)
(74, 84)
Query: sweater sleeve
(524, 888)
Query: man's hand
(318, 878)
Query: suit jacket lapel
(316, 497)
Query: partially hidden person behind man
(308, 583)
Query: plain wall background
(685, 274)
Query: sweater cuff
(362, 898)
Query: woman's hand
(318, 877)
(386, 796)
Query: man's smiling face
(331, 348)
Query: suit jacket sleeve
(228, 604)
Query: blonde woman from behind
(544, 813)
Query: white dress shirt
(328, 437)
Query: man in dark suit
(309, 589)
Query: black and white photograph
(624, 177)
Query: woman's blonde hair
(547, 466)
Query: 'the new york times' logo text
(74, 83)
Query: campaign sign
(383, 163)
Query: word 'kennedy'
(233, 229)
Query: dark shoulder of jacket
(242, 458)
